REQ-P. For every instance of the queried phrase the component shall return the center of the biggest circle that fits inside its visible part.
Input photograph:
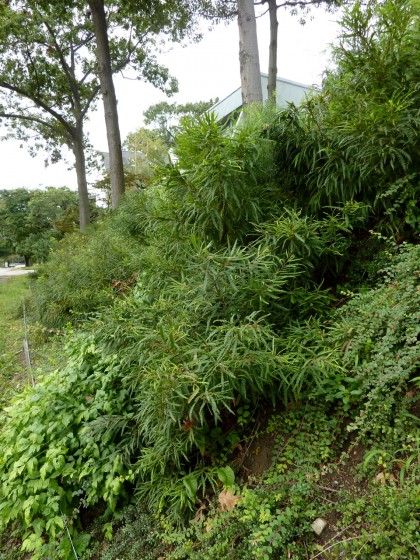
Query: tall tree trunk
(248, 53)
(272, 53)
(80, 164)
(110, 101)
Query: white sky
(205, 70)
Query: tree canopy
(50, 68)
(164, 118)
(31, 220)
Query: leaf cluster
(358, 139)
(30, 221)
(377, 334)
(48, 462)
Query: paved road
(16, 271)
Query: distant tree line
(31, 221)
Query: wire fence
(31, 380)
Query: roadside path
(16, 271)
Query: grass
(44, 350)
(13, 373)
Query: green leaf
(191, 485)
(226, 476)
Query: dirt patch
(341, 478)
(258, 455)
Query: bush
(50, 467)
(358, 139)
(140, 536)
(84, 275)
(383, 525)
(378, 334)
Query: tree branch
(39, 103)
(67, 70)
(28, 118)
(90, 100)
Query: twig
(328, 501)
(341, 542)
(326, 488)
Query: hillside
(236, 347)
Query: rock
(319, 525)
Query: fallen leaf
(380, 477)
(228, 500)
(199, 517)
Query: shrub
(222, 182)
(83, 275)
(383, 525)
(358, 139)
(49, 467)
(377, 334)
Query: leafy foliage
(202, 299)
(221, 183)
(165, 118)
(385, 525)
(358, 139)
(139, 537)
(84, 274)
(378, 334)
(30, 221)
(274, 514)
(48, 461)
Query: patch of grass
(12, 365)
(44, 348)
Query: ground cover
(12, 367)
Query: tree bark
(248, 53)
(110, 101)
(272, 53)
(80, 164)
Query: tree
(175, 18)
(31, 220)
(248, 42)
(146, 146)
(295, 5)
(109, 100)
(50, 64)
(165, 117)
(249, 60)
(47, 81)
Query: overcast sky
(205, 70)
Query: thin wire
(29, 367)
(26, 346)
(69, 535)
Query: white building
(286, 92)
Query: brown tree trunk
(80, 164)
(110, 101)
(272, 53)
(248, 53)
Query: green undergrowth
(44, 345)
(12, 290)
(70, 443)
(270, 515)
(273, 266)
